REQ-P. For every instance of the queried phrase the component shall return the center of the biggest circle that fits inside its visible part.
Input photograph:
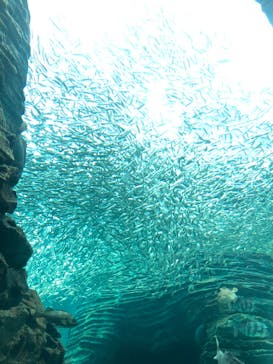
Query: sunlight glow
(241, 23)
(240, 34)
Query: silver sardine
(225, 357)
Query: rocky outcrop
(26, 335)
(234, 303)
(267, 7)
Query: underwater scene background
(150, 148)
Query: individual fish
(225, 357)
(226, 295)
(58, 318)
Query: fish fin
(217, 342)
(233, 359)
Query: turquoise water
(149, 145)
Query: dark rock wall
(14, 53)
(25, 337)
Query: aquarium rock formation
(267, 7)
(25, 338)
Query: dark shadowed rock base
(24, 337)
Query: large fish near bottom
(225, 357)
(57, 317)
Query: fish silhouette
(225, 357)
(59, 318)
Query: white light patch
(239, 33)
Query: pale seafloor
(149, 144)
